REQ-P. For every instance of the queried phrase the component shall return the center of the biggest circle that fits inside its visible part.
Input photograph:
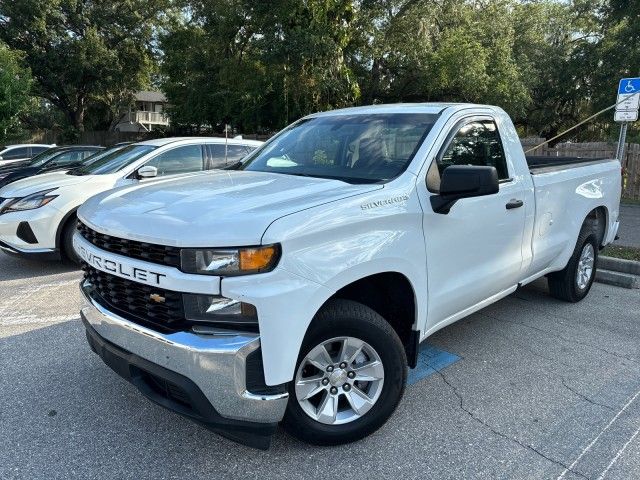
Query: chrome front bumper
(215, 363)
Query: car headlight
(228, 262)
(30, 202)
(219, 311)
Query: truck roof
(431, 107)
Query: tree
(15, 86)
(447, 50)
(83, 51)
(256, 64)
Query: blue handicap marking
(629, 85)
(430, 361)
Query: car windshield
(44, 157)
(99, 154)
(370, 148)
(114, 161)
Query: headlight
(220, 311)
(237, 261)
(30, 202)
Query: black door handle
(513, 203)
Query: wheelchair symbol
(628, 88)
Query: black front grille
(149, 252)
(134, 302)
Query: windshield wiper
(233, 166)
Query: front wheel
(350, 376)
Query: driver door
(475, 251)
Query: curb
(619, 265)
(619, 279)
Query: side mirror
(464, 181)
(147, 172)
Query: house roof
(147, 96)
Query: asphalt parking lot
(540, 389)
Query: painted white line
(615, 459)
(593, 442)
(28, 320)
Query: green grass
(617, 251)
(630, 201)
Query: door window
(67, 158)
(178, 160)
(15, 153)
(475, 143)
(234, 153)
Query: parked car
(299, 287)
(37, 214)
(16, 153)
(55, 158)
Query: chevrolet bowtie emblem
(156, 297)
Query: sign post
(627, 107)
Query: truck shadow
(16, 268)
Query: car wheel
(573, 283)
(350, 376)
(66, 242)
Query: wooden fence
(630, 163)
(105, 138)
(108, 138)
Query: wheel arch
(73, 213)
(392, 295)
(599, 215)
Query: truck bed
(541, 164)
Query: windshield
(100, 154)
(353, 148)
(44, 157)
(114, 161)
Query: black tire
(563, 284)
(347, 318)
(66, 241)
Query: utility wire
(581, 123)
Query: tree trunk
(77, 119)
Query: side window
(476, 143)
(178, 160)
(36, 150)
(233, 154)
(67, 158)
(15, 153)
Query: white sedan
(38, 214)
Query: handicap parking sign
(629, 85)
(628, 102)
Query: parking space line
(593, 442)
(12, 311)
(615, 459)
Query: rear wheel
(574, 281)
(350, 376)
(66, 241)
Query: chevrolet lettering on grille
(118, 268)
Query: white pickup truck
(298, 287)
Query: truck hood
(27, 186)
(211, 209)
